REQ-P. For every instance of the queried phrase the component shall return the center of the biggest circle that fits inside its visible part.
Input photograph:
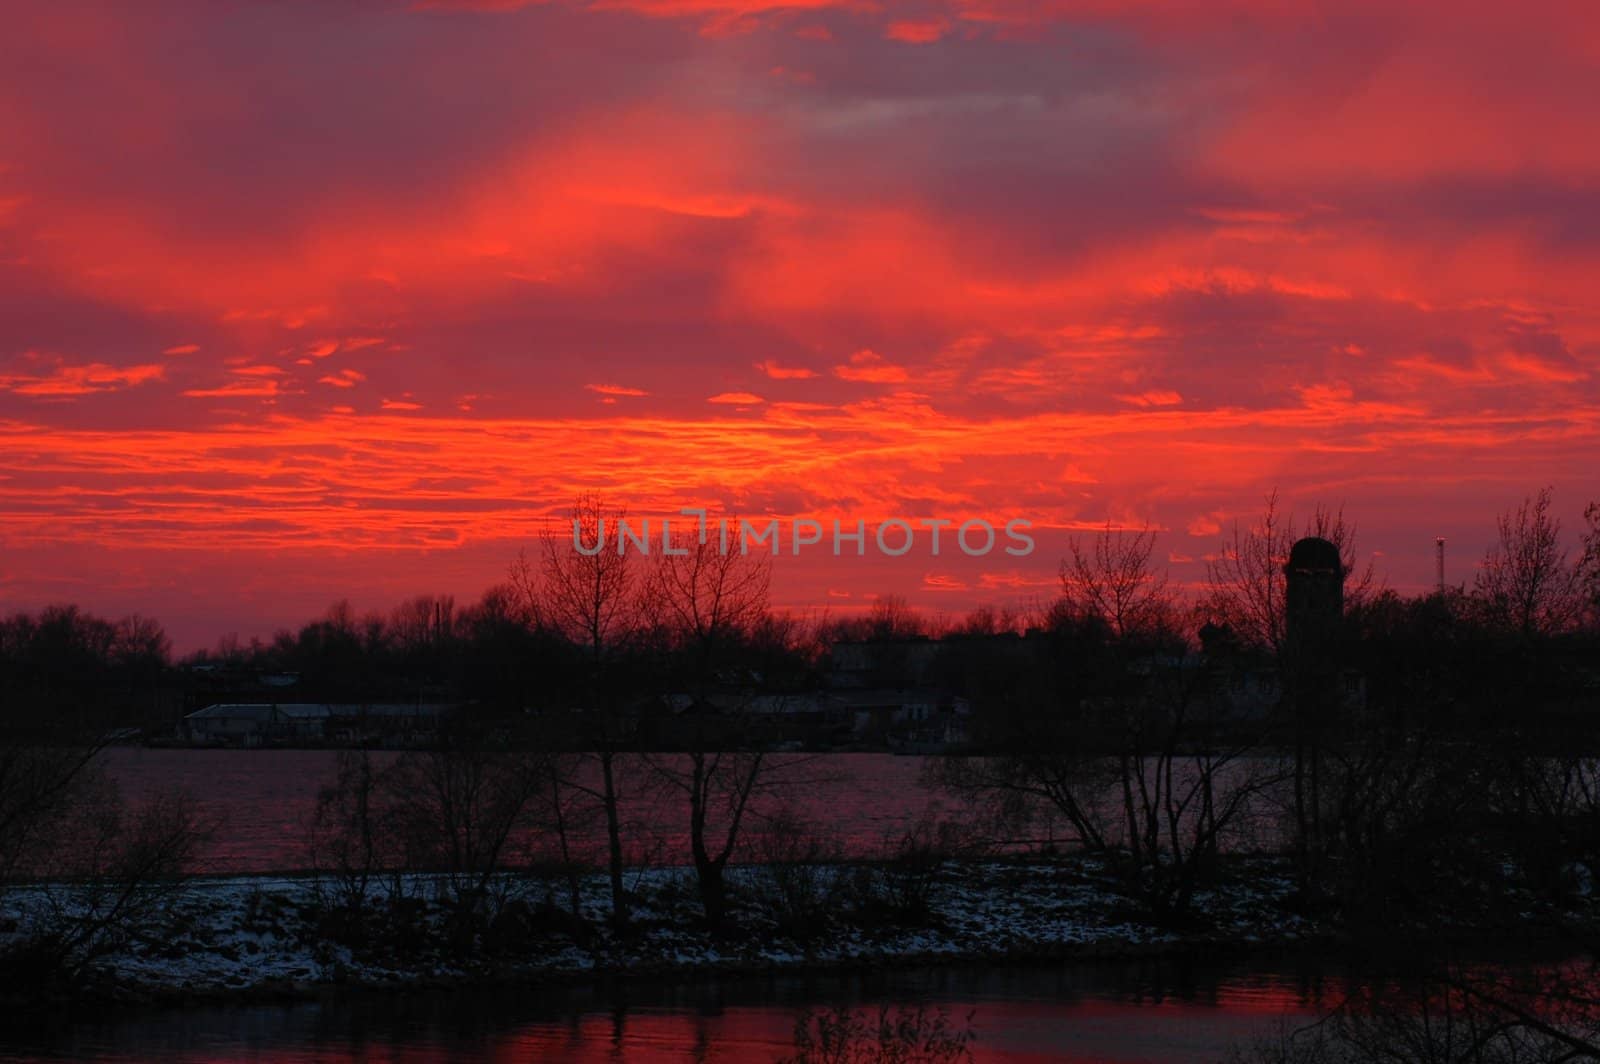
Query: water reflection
(264, 799)
(1155, 1013)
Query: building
(257, 724)
(892, 716)
(1314, 596)
(313, 724)
(391, 724)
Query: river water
(860, 803)
(1077, 1012)
(264, 799)
(1080, 1013)
(1101, 1012)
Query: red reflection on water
(1080, 1032)
(265, 798)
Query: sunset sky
(309, 300)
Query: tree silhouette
(1526, 583)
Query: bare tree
(41, 779)
(525, 581)
(1017, 788)
(1526, 583)
(986, 620)
(1155, 770)
(719, 786)
(461, 811)
(1111, 579)
(1457, 1013)
(73, 672)
(892, 617)
(591, 596)
(1189, 778)
(107, 876)
(348, 837)
(422, 622)
(1247, 593)
(567, 814)
(1183, 760)
(1111, 598)
(1246, 584)
(141, 641)
(1589, 564)
(457, 810)
(707, 599)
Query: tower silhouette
(1314, 597)
(1314, 603)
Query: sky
(349, 299)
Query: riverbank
(244, 938)
(274, 936)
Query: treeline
(533, 641)
(63, 664)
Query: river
(263, 799)
(1078, 1012)
(1105, 1013)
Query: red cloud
(347, 378)
(918, 31)
(1153, 397)
(245, 388)
(64, 381)
(868, 365)
(784, 373)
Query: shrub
(899, 1035)
(905, 883)
(797, 880)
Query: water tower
(1315, 596)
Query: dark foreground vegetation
(1422, 768)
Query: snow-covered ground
(263, 933)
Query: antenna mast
(1438, 550)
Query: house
(883, 715)
(313, 723)
(257, 724)
(391, 724)
(802, 719)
